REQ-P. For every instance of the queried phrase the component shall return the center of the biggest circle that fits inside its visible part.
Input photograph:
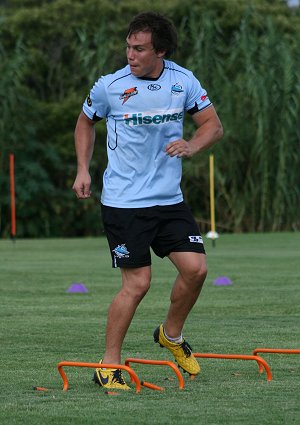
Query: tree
(246, 55)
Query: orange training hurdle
(131, 373)
(274, 351)
(160, 363)
(261, 362)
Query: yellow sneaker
(110, 379)
(182, 352)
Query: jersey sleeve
(96, 105)
(197, 98)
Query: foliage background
(246, 53)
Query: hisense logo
(141, 119)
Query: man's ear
(160, 54)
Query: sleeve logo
(89, 100)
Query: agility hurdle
(132, 374)
(159, 363)
(262, 364)
(274, 351)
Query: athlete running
(142, 204)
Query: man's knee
(196, 275)
(140, 289)
(136, 282)
(192, 267)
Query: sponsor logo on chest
(140, 118)
(128, 93)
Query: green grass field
(42, 324)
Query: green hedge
(247, 56)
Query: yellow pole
(212, 198)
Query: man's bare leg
(186, 290)
(135, 284)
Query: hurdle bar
(262, 364)
(159, 363)
(132, 374)
(274, 351)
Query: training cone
(222, 281)
(77, 287)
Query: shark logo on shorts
(121, 251)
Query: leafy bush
(246, 56)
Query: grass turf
(42, 324)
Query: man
(142, 204)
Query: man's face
(141, 56)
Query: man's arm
(84, 145)
(209, 130)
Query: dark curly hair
(164, 34)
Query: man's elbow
(219, 132)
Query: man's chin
(135, 71)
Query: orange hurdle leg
(160, 363)
(261, 362)
(131, 373)
(152, 386)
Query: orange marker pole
(12, 195)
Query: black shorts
(132, 231)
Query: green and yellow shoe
(182, 352)
(111, 379)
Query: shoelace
(119, 377)
(187, 349)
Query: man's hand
(82, 185)
(209, 130)
(180, 148)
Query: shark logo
(128, 93)
(176, 89)
(121, 251)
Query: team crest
(177, 89)
(128, 93)
(121, 251)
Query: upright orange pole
(12, 195)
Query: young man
(142, 204)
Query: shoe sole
(96, 380)
(156, 336)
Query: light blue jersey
(142, 117)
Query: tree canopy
(246, 54)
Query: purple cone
(77, 287)
(222, 281)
